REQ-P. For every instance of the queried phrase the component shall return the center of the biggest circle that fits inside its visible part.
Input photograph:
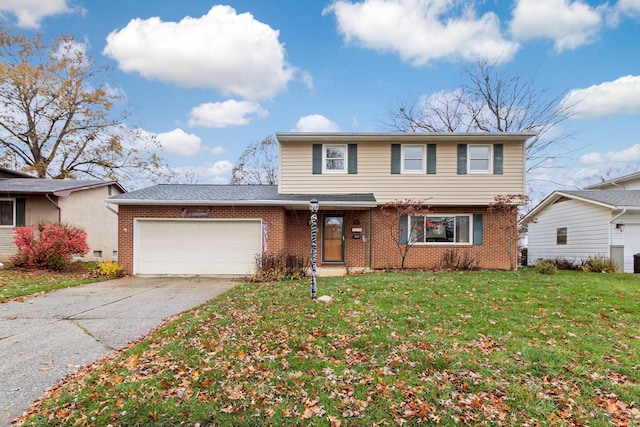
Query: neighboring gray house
(575, 225)
(25, 200)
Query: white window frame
(13, 203)
(490, 159)
(440, 215)
(324, 159)
(423, 168)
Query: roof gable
(612, 199)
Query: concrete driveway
(45, 338)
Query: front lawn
(15, 283)
(473, 348)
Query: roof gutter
(285, 203)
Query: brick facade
(288, 231)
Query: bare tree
(57, 115)
(491, 101)
(402, 230)
(258, 164)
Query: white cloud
(232, 53)
(621, 96)
(421, 31)
(628, 155)
(217, 150)
(629, 8)
(223, 167)
(224, 114)
(180, 143)
(315, 123)
(569, 24)
(30, 12)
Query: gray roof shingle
(241, 194)
(47, 186)
(616, 198)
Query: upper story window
(7, 213)
(413, 159)
(334, 159)
(479, 159)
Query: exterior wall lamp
(620, 226)
(313, 207)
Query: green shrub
(546, 267)
(600, 264)
(110, 269)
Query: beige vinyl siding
(446, 187)
(587, 231)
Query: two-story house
(222, 229)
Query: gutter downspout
(106, 205)
(611, 231)
(56, 206)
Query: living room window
(447, 229)
(479, 158)
(334, 159)
(413, 159)
(7, 214)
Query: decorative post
(313, 207)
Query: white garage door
(196, 246)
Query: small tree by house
(508, 223)
(403, 231)
(48, 246)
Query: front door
(333, 238)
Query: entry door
(333, 239)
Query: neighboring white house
(575, 225)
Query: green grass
(16, 283)
(474, 348)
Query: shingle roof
(47, 186)
(234, 194)
(614, 198)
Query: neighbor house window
(449, 229)
(335, 159)
(479, 159)
(413, 159)
(7, 213)
(561, 236)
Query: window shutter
(317, 159)
(403, 232)
(498, 158)
(352, 165)
(477, 229)
(462, 159)
(395, 158)
(20, 212)
(431, 159)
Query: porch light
(620, 226)
(313, 221)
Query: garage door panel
(197, 247)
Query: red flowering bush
(52, 246)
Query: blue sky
(210, 78)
